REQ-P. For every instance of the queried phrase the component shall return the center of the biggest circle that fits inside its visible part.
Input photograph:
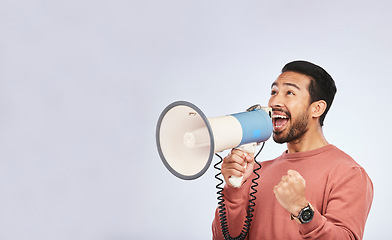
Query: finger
(233, 158)
(237, 167)
(236, 173)
(249, 158)
(233, 170)
(230, 166)
(281, 184)
(277, 190)
(238, 152)
(293, 173)
(285, 178)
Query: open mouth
(279, 121)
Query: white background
(82, 84)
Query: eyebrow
(287, 84)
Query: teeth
(278, 116)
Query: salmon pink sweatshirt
(339, 190)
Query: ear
(318, 108)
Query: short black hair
(321, 86)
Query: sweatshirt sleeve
(348, 206)
(236, 203)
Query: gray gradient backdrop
(82, 84)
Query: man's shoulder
(342, 158)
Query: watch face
(307, 215)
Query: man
(313, 190)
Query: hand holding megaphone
(238, 165)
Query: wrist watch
(305, 215)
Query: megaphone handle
(247, 149)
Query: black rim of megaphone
(212, 145)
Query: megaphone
(187, 140)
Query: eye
(290, 93)
(273, 92)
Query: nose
(275, 101)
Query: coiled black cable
(221, 202)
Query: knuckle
(236, 173)
(238, 152)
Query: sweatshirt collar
(297, 155)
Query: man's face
(290, 103)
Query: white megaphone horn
(187, 140)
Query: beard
(296, 131)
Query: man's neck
(311, 140)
